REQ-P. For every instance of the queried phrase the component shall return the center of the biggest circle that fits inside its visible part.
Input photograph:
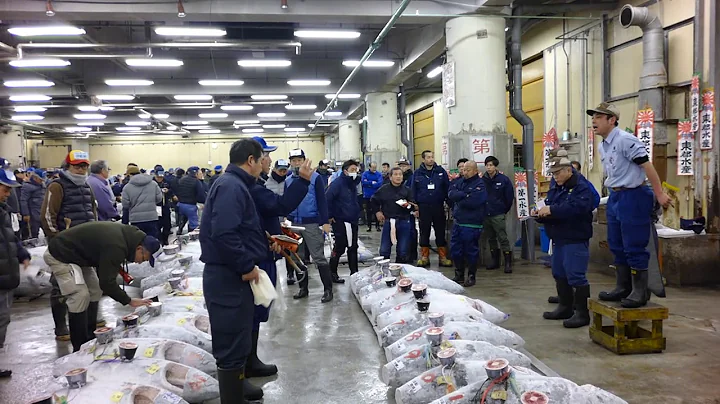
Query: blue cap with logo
(7, 177)
(282, 163)
(153, 246)
(266, 147)
(297, 153)
(218, 167)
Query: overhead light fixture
(327, 34)
(49, 10)
(92, 108)
(29, 98)
(28, 83)
(209, 131)
(89, 116)
(172, 127)
(137, 123)
(196, 127)
(221, 83)
(312, 125)
(193, 97)
(434, 72)
(190, 31)
(29, 108)
(152, 62)
(269, 102)
(214, 115)
(39, 63)
(369, 63)
(263, 63)
(301, 106)
(78, 129)
(253, 130)
(236, 107)
(132, 83)
(308, 82)
(329, 113)
(269, 97)
(197, 106)
(91, 123)
(156, 116)
(53, 30)
(115, 97)
(181, 9)
(128, 129)
(343, 96)
(27, 117)
(247, 122)
(274, 126)
(271, 115)
(294, 129)
(246, 125)
(194, 122)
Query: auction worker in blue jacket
(430, 185)
(568, 222)
(312, 214)
(469, 199)
(501, 196)
(343, 207)
(629, 206)
(372, 180)
(233, 244)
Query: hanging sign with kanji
(645, 129)
(550, 143)
(445, 153)
(448, 84)
(591, 149)
(695, 102)
(685, 146)
(521, 195)
(707, 119)
(482, 147)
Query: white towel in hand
(263, 289)
(393, 233)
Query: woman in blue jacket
(343, 208)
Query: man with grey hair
(98, 181)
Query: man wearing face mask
(323, 170)
(343, 208)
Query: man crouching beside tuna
(85, 261)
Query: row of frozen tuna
(443, 347)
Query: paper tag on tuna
(116, 397)
(414, 386)
(190, 307)
(149, 352)
(181, 321)
(167, 398)
(153, 368)
(499, 395)
(105, 357)
(399, 365)
(401, 346)
(442, 380)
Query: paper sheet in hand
(403, 203)
(539, 204)
(287, 239)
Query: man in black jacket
(167, 199)
(394, 206)
(191, 191)
(343, 208)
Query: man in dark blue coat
(469, 198)
(567, 217)
(343, 207)
(501, 195)
(372, 180)
(233, 244)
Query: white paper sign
(521, 195)
(707, 119)
(685, 147)
(448, 80)
(482, 147)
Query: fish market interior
(359, 201)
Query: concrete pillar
(383, 139)
(349, 140)
(12, 145)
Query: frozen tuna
(166, 331)
(190, 285)
(370, 280)
(117, 393)
(34, 280)
(445, 303)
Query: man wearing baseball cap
(190, 192)
(217, 172)
(629, 207)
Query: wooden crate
(625, 336)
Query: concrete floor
(328, 353)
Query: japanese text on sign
(707, 119)
(591, 149)
(448, 84)
(686, 144)
(445, 152)
(521, 197)
(550, 142)
(646, 129)
(482, 147)
(695, 103)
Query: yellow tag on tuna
(181, 321)
(149, 352)
(499, 395)
(153, 368)
(190, 307)
(116, 397)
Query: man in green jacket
(85, 261)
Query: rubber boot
(251, 391)
(581, 317)
(553, 299)
(303, 291)
(78, 329)
(565, 309)
(59, 312)
(472, 270)
(352, 261)
(508, 261)
(327, 296)
(290, 276)
(334, 262)
(459, 272)
(495, 263)
(5, 373)
(254, 367)
(640, 293)
(232, 386)
(424, 257)
(92, 313)
(443, 259)
(623, 285)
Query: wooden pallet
(625, 336)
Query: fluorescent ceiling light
(221, 83)
(183, 44)
(343, 96)
(434, 72)
(29, 97)
(56, 30)
(78, 129)
(137, 123)
(133, 83)
(274, 126)
(312, 125)
(271, 115)
(294, 129)
(195, 122)
(327, 34)
(151, 62)
(196, 127)
(369, 63)
(269, 97)
(47, 62)
(209, 131)
(89, 116)
(329, 113)
(29, 108)
(308, 82)
(27, 117)
(236, 107)
(91, 123)
(269, 102)
(172, 127)
(264, 63)
(28, 83)
(187, 31)
(193, 97)
(253, 130)
(115, 97)
(156, 116)
(213, 115)
(301, 106)
(198, 106)
(128, 129)
(92, 108)
(247, 122)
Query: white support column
(383, 139)
(12, 145)
(349, 140)
(81, 144)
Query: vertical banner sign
(482, 147)
(537, 187)
(645, 129)
(521, 196)
(707, 119)
(445, 152)
(685, 145)
(448, 84)
(550, 143)
(695, 102)
(591, 149)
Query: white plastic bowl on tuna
(455, 304)
(398, 329)
(399, 298)
(371, 280)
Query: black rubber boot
(92, 313)
(232, 386)
(325, 276)
(565, 309)
(472, 270)
(495, 263)
(623, 285)
(59, 311)
(553, 299)
(5, 373)
(508, 261)
(78, 329)
(459, 271)
(640, 293)
(327, 296)
(254, 367)
(581, 317)
(251, 392)
(337, 279)
(290, 277)
(352, 262)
